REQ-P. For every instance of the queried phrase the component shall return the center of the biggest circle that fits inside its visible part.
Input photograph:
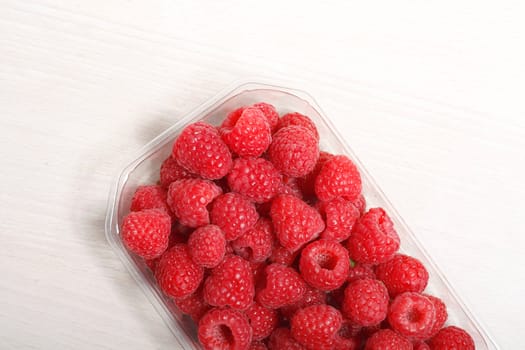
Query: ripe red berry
(373, 239)
(224, 329)
(255, 178)
(188, 200)
(250, 136)
(295, 222)
(324, 264)
(200, 150)
(177, 275)
(420, 345)
(262, 320)
(441, 314)
(316, 327)
(412, 315)
(339, 177)
(146, 233)
(402, 274)
(294, 151)
(298, 119)
(359, 271)
(257, 345)
(230, 284)
(207, 246)
(281, 339)
(234, 214)
(171, 171)
(312, 296)
(194, 305)
(149, 197)
(282, 286)
(307, 182)
(451, 338)
(365, 302)
(255, 245)
(386, 339)
(340, 216)
(360, 203)
(348, 337)
(269, 112)
(283, 256)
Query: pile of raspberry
(266, 243)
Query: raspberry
(255, 178)
(224, 329)
(294, 151)
(386, 339)
(207, 246)
(281, 339)
(177, 275)
(146, 233)
(402, 274)
(412, 315)
(294, 221)
(262, 320)
(282, 286)
(451, 338)
(441, 314)
(348, 337)
(269, 112)
(251, 134)
(200, 150)
(307, 183)
(171, 171)
(421, 346)
(360, 204)
(194, 305)
(298, 119)
(373, 239)
(316, 327)
(257, 345)
(188, 199)
(281, 255)
(324, 264)
(230, 284)
(149, 197)
(340, 216)
(359, 271)
(339, 177)
(234, 214)
(255, 245)
(232, 117)
(289, 185)
(312, 296)
(365, 302)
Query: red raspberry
(348, 337)
(188, 200)
(360, 204)
(257, 345)
(224, 329)
(441, 314)
(324, 264)
(200, 150)
(194, 305)
(262, 320)
(402, 274)
(255, 245)
(269, 112)
(386, 339)
(207, 246)
(340, 216)
(177, 275)
(298, 119)
(149, 197)
(365, 302)
(283, 286)
(420, 345)
(251, 134)
(316, 327)
(359, 271)
(283, 256)
(294, 221)
(232, 117)
(312, 296)
(412, 315)
(230, 284)
(281, 339)
(339, 177)
(373, 239)
(307, 183)
(171, 171)
(294, 151)
(146, 233)
(255, 178)
(451, 338)
(289, 185)
(234, 214)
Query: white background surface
(437, 116)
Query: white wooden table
(429, 95)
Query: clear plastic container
(144, 169)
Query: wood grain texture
(429, 95)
